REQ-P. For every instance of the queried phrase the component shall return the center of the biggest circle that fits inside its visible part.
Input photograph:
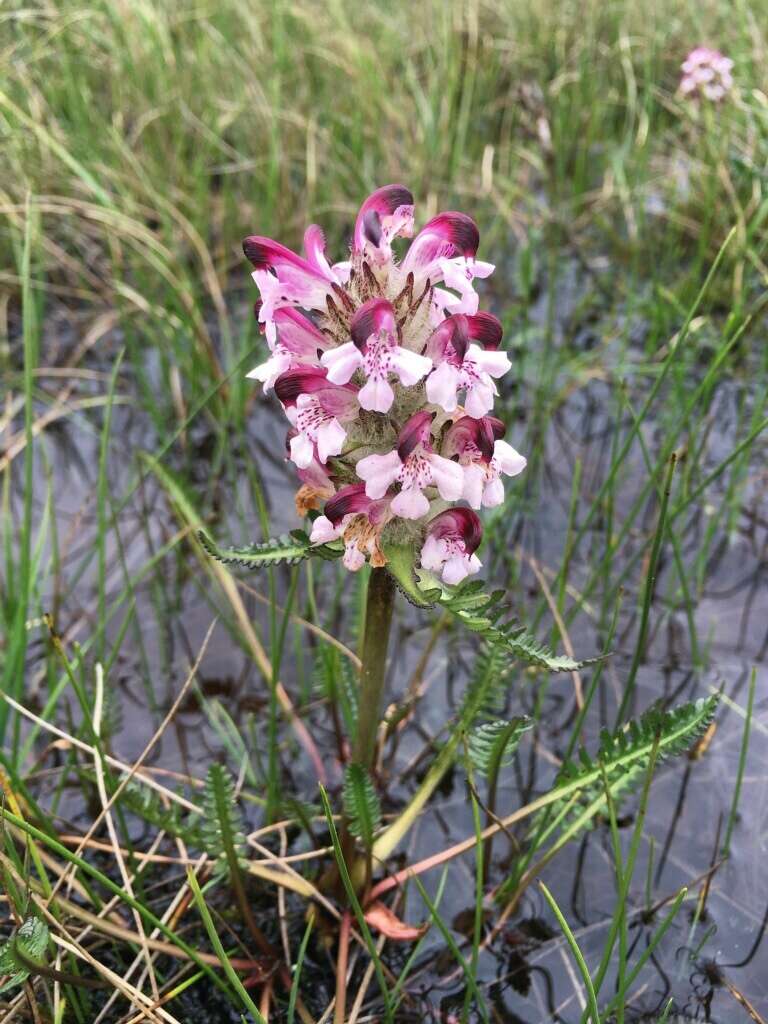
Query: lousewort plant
(386, 371)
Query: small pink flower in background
(371, 359)
(706, 73)
(452, 539)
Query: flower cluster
(707, 74)
(387, 371)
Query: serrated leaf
(222, 828)
(491, 745)
(484, 613)
(361, 804)
(287, 549)
(27, 946)
(625, 755)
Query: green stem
(378, 619)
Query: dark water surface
(527, 974)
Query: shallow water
(526, 974)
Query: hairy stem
(378, 619)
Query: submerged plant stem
(378, 620)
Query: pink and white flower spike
(386, 370)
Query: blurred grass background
(152, 136)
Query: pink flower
(415, 466)
(458, 274)
(317, 410)
(462, 366)
(706, 73)
(297, 343)
(351, 514)
(484, 456)
(444, 250)
(453, 537)
(374, 348)
(285, 279)
(385, 214)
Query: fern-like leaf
(24, 949)
(222, 828)
(486, 689)
(146, 804)
(477, 609)
(624, 756)
(337, 681)
(491, 745)
(486, 613)
(361, 804)
(288, 549)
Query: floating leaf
(381, 918)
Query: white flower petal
(376, 395)
(302, 451)
(341, 362)
(410, 504)
(441, 386)
(330, 439)
(378, 472)
(409, 366)
(448, 477)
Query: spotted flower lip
(317, 409)
(375, 350)
(370, 359)
(415, 466)
(449, 549)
